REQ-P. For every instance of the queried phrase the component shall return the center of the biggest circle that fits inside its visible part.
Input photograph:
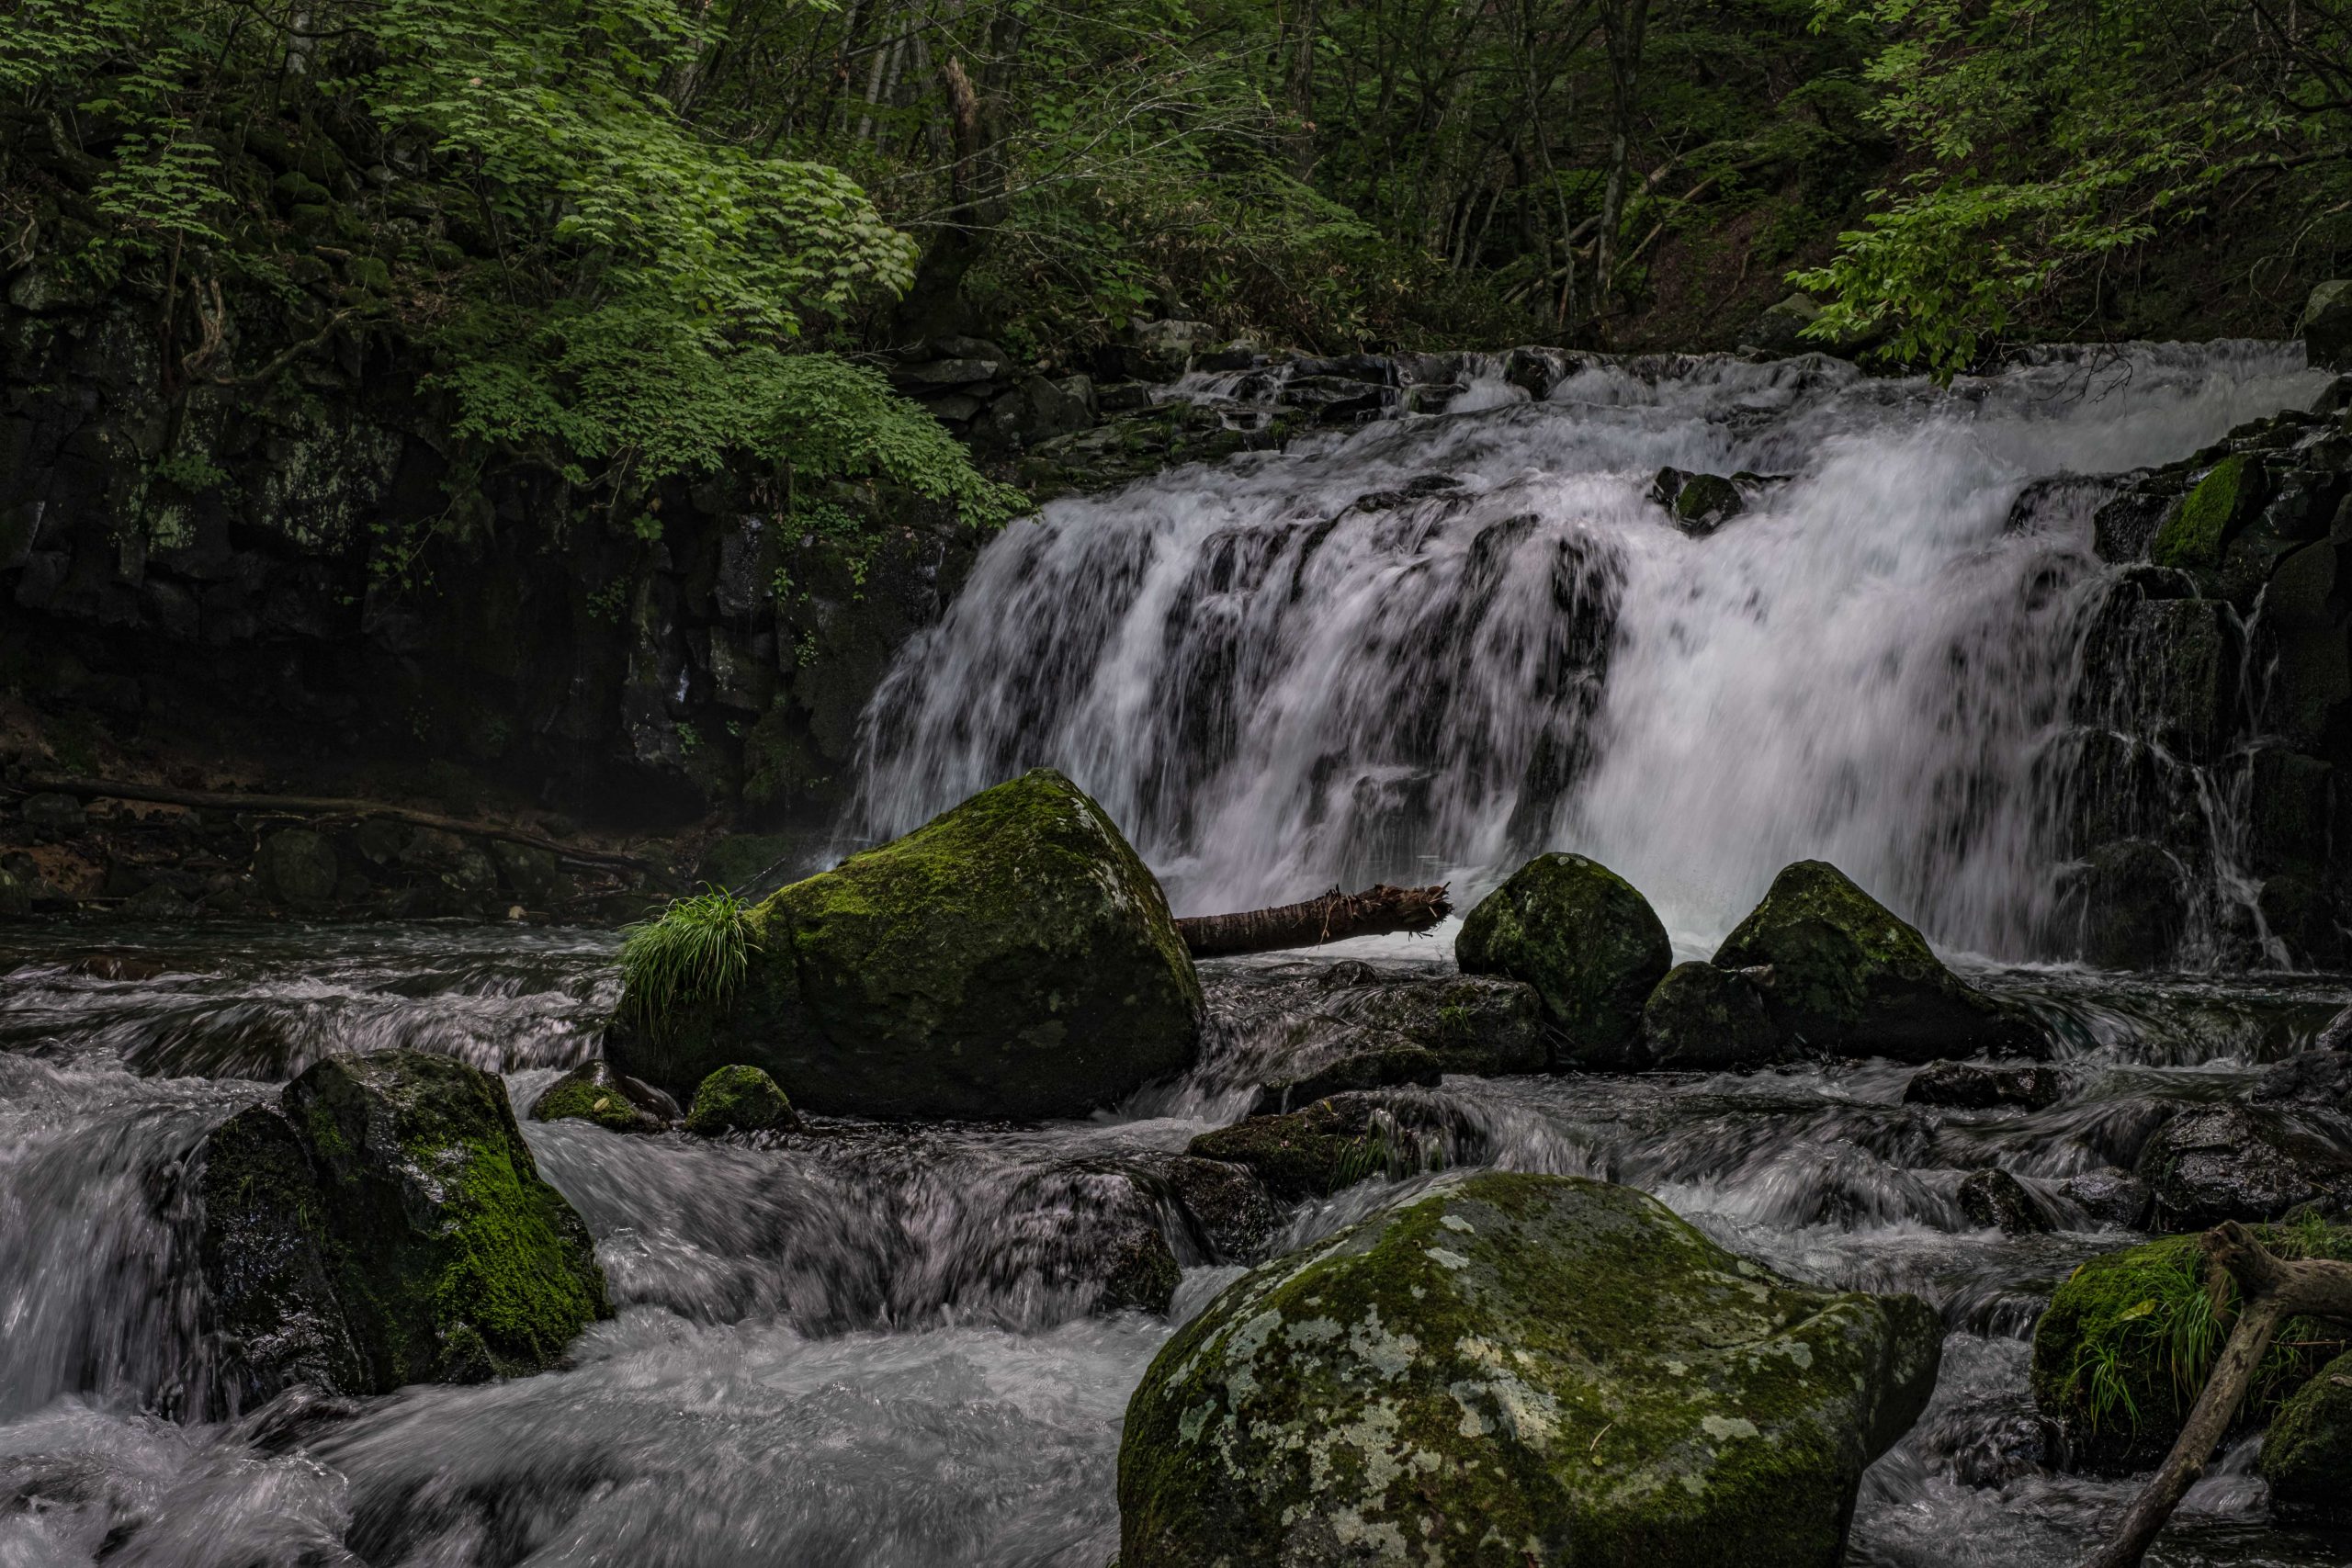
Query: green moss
(685, 962)
(2123, 1351)
(586, 1094)
(1585, 939)
(2194, 535)
(1512, 1368)
(2307, 1454)
(739, 1099)
(1320, 1149)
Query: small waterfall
(1427, 648)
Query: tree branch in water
(1334, 916)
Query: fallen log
(2271, 1289)
(1334, 916)
(317, 805)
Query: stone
(2326, 326)
(1384, 1066)
(533, 875)
(54, 813)
(1994, 1200)
(1968, 1086)
(2238, 1162)
(1478, 1025)
(2318, 1077)
(2307, 1453)
(2106, 1363)
(2197, 532)
(1848, 976)
(739, 1099)
(157, 901)
(1780, 330)
(1138, 1270)
(384, 1224)
(1703, 1018)
(1699, 503)
(1523, 1369)
(2134, 905)
(1228, 1207)
(1331, 1144)
(297, 866)
(1010, 958)
(2112, 1199)
(1590, 946)
(594, 1092)
(16, 895)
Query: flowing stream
(1416, 651)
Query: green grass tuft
(690, 957)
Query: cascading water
(1426, 650)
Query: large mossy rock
(1703, 1018)
(1010, 958)
(1516, 1370)
(2307, 1453)
(2122, 1351)
(1586, 940)
(384, 1224)
(1849, 976)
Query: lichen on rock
(1511, 1370)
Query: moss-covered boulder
(1703, 1018)
(2123, 1348)
(1516, 1369)
(594, 1092)
(1335, 1143)
(384, 1224)
(739, 1099)
(2307, 1454)
(1010, 958)
(1586, 940)
(2194, 536)
(1848, 975)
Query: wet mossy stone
(2326, 326)
(1333, 1144)
(2307, 1453)
(298, 866)
(1703, 1018)
(1511, 1370)
(1385, 1066)
(2212, 1163)
(1586, 940)
(594, 1092)
(739, 1099)
(1010, 958)
(1849, 976)
(2195, 534)
(2122, 1352)
(384, 1225)
(1970, 1086)
(1996, 1201)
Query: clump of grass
(689, 958)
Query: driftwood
(1332, 917)
(2271, 1289)
(311, 805)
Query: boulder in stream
(1517, 1368)
(1586, 940)
(1848, 976)
(1703, 1018)
(1336, 1142)
(1973, 1086)
(2307, 1453)
(1995, 1200)
(384, 1224)
(594, 1092)
(1010, 958)
(739, 1099)
(2212, 1163)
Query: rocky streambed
(858, 1342)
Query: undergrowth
(690, 958)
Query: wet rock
(2135, 906)
(384, 1224)
(1521, 1369)
(1011, 958)
(1390, 1066)
(532, 873)
(1703, 1018)
(1700, 503)
(739, 1099)
(1970, 1086)
(1227, 1204)
(2111, 1197)
(298, 866)
(1849, 976)
(2326, 325)
(2108, 1352)
(1996, 1201)
(16, 895)
(157, 901)
(2307, 1453)
(1331, 1144)
(1590, 946)
(2239, 1162)
(594, 1092)
(54, 813)
(1139, 1272)
(1478, 1024)
(2317, 1076)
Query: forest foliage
(636, 238)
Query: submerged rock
(1849, 976)
(1699, 503)
(739, 1099)
(1995, 1200)
(384, 1224)
(1703, 1018)
(1389, 1066)
(2307, 1453)
(1514, 1369)
(2239, 1162)
(1333, 1144)
(1010, 958)
(1331, 1028)
(594, 1092)
(1586, 940)
(1968, 1086)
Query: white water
(1276, 686)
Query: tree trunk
(1625, 20)
(313, 805)
(1334, 916)
(2272, 1290)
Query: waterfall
(1426, 648)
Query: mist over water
(1426, 650)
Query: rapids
(869, 1345)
